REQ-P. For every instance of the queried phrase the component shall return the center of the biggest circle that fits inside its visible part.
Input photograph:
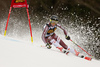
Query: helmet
(54, 17)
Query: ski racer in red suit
(49, 37)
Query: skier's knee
(58, 39)
(55, 43)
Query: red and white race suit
(48, 35)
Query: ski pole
(81, 48)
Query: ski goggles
(53, 21)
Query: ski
(82, 56)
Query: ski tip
(88, 58)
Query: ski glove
(67, 37)
(48, 46)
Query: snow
(17, 53)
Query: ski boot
(63, 50)
(80, 55)
(60, 48)
(66, 51)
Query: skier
(49, 37)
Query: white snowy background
(18, 53)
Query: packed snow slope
(17, 53)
